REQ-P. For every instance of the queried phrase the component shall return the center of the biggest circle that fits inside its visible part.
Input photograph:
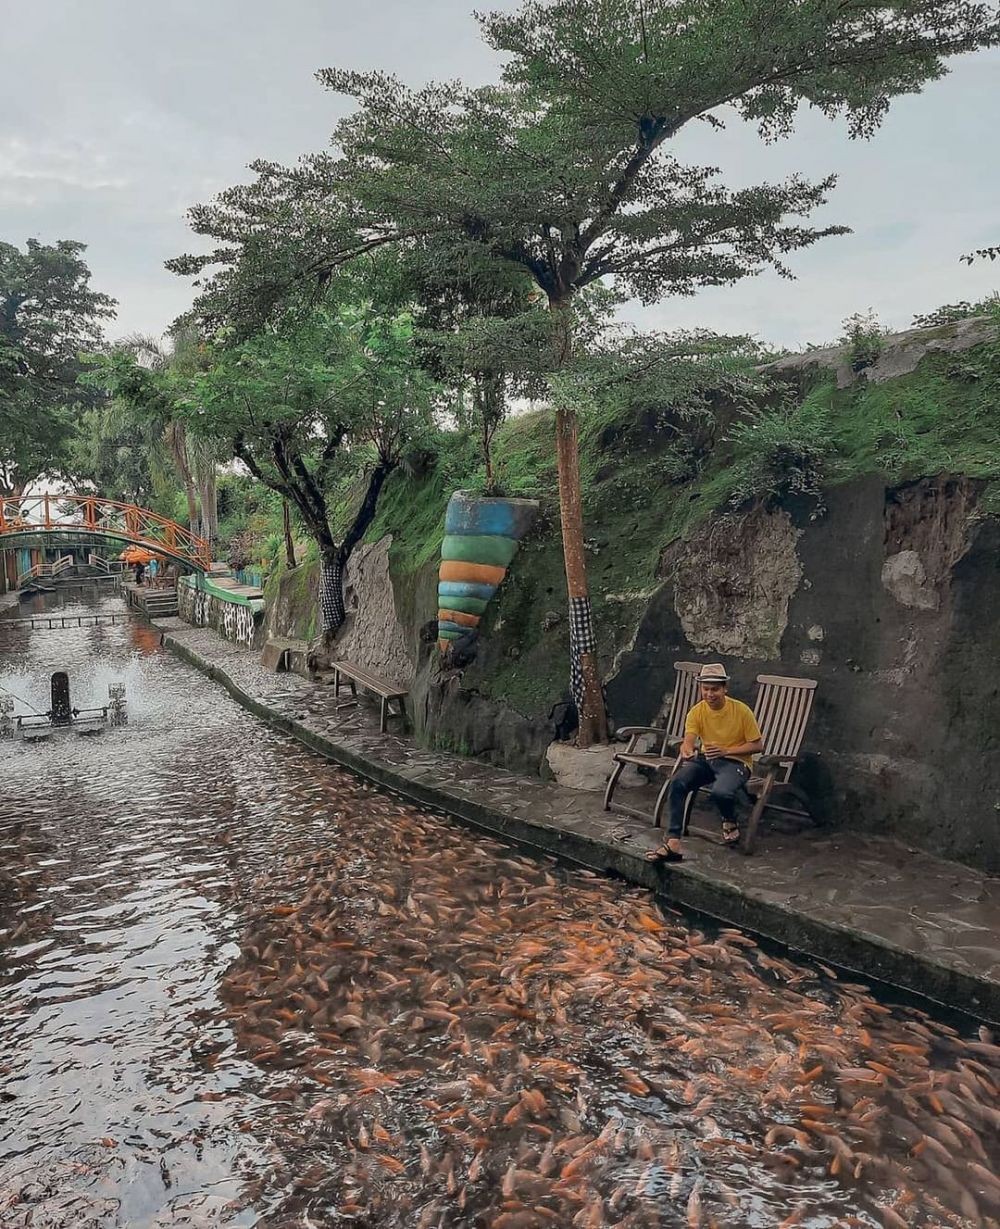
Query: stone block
(588, 768)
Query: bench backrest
(782, 710)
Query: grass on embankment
(640, 493)
(942, 418)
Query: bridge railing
(111, 566)
(38, 570)
(46, 512)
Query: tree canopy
(48, 314)
(328, 392)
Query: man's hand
(713, 751)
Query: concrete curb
(867, 955)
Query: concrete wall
(890, 601)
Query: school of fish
(241, 987)
(461, 1036)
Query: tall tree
(145, 381)
(48, 314)
(119, 451)
(323, 392)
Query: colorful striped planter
(481, 538)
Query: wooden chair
(782, 708)
(686, 695)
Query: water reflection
(240, 987)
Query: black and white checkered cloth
(331, 594)
(581, 640)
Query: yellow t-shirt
(731, 725)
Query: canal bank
(869, 905)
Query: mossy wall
(291, 598)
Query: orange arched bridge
(57, 515)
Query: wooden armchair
(668, 739)
(782, 708)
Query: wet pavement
(869, 904)
(240, 986)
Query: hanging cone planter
(481, 538)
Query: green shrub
(949, 313)
(863, 335)
(784, 450)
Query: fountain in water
(62, 714)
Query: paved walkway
(870, 905)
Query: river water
(240, 987)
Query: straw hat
(713, 673)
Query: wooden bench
(356, 677)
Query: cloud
(162, 106)
(62, 168)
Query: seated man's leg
(730, 777)
(691, 775)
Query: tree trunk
(490, 397)
(331, 592)
(209, 501)
(286, 526)
(202, 455)
(585, 677)
(177, 442)
(333, 562)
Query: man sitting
(729, 736)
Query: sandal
(730, 834)
(663, 853)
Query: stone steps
(160, 603)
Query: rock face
(901, 352)
(292, 602)
(905, 577)
(373, 636)
(733, 583)
(451, 717)
(895, 615)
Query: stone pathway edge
(853, 950)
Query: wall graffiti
(235, 621)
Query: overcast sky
(116, 115)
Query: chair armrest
(773, 761)
(638, 729)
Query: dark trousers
(726, 777)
